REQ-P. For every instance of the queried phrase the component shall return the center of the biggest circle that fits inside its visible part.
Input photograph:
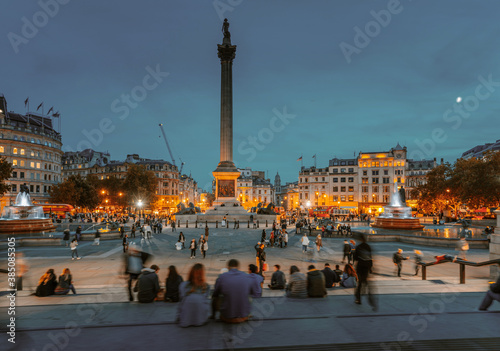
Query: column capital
(226, 53)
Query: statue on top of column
(225, 29)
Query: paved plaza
(409, 309)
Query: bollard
(186, 223)
(196, 224)
(424, 272)
(216, 224)
(266, 223)
(462, 273)
(248, 225)
(179, 224)
(257, 224)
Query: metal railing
(458, 261)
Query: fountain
(397, 215)
(23, 217)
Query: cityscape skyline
(295, 95)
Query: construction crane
(169, 150)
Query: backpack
(395, 258)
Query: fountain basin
(13, 226)
(397, 223)
(23, 217)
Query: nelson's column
(226, 173)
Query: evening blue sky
(398, 84)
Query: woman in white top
(305, 242)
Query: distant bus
(320, 212)
(61, 210)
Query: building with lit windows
(416, 175)
(88, 162)
(361, 185)
(79, 163)
(33, 146)
(253, 188)
(379, 174)
(334, 186)
(288, 196)
(188, 190)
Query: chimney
(434, 159)
(442, 161)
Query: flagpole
(301, 163)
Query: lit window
(32, 153)
(38, 165)
(14, 162)
(22, 151)
(22, 163)
(32, 164)
(2, 149)
(14, 151)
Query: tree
(5, 173)
(472, 182)
(433, 195)
(76, 191)
(110, 189)
(140, 184)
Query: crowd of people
(230, 299)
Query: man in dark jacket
(398, 259)
(278, 280)
(148, 285)
(315, 283)
(330, 276)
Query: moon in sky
(459, 99)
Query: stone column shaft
(226, 112)
(226, 53)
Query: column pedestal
(226, 176)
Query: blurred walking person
(363, 257)
(97, 237)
